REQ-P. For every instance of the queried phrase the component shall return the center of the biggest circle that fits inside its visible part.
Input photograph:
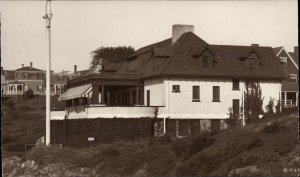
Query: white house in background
(182, 79)
(290, 86)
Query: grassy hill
(24, 122)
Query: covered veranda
(105, 92)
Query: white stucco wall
(180, 106)
(156, 87)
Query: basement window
(176, 88)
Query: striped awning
(76, 92)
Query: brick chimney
(75, 68)
(30, 64)
(178, 30)
(254, 45)
(22, 65)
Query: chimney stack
(22, 65)
(30, 64)
(254, 45)
(178, 30)
(75, 68)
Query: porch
(105, 94)
(289, 99)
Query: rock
(248, 171)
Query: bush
(270, 107)
(29, 94)
(192, 146)
(233, 119)
(200, 143)
(275, 127)
(164, 139)
(180, 147)
(10, 103)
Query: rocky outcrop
(13, 167)
(248, 171)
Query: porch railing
(289, 103)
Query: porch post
(102, 94)
(285, 99)
(137, 100)
(95, 94)
(297, 94)
(54, 89)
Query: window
(216, 93)
(235, 107)
(205, 61)
(196, 93)
(293, 78)
(132, 64)
(283, 61)
(235, 84)
(176, 88)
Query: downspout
(243, 105)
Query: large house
(185, 84)
(290, 86)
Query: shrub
(270, 107)
(10, 103)
(29, 94)
(180, 147)
(233, 119)
(199, 144)
(275, 127)
(253, 100)
(164, 139)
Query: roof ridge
(184, 39)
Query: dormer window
(252, 61)
(132, 64)
(283, 61)
(205, 61)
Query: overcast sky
(78, 27)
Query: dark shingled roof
(28, 68)
(183, 63)
(277, 50)
(294, 57)
(180, 59)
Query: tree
(253, 100)
(110, 54)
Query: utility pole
(47, 17)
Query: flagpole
(47, 17)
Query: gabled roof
(183, 63)
(293, 60)
(294, 57)
(179, 61)
(28, 68)
(277, 50)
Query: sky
(79, 27)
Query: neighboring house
(184, 82)
(290, 86)
(20, 80)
